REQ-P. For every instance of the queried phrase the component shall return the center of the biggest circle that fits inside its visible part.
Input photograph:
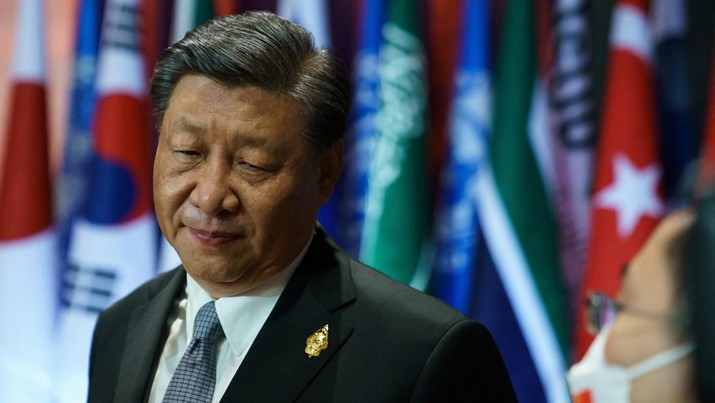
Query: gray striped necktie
(195, 376)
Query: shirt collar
(241, 316)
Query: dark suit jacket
(386, 343)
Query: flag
(396, 226)
(246, 5)
(343, 21)
(521, 295)
(114, 241)
(226, 7)
(72, 187)
(313, 16)
(627, 201)
(28, 246)
(360, 136)
(443, 42)
(706, 175)
(156, 31)
(678, 143)
(188, 14)
(444, 20)
(573, 134)
(456, 226)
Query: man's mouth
(214, 238)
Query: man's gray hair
(260, 49)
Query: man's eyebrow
(185, 125)
(254, 141)
(250, 141)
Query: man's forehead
(186, 124)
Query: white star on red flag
(632, 194)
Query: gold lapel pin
(317, 342)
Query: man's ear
(331, 164)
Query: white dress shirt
(241, 317)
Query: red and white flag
(27, 240)
(627, 202)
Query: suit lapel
(276, 367)
(144, 339)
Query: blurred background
(506, 156)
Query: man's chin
(218, 275)
(220, 283)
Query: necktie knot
(207, 326)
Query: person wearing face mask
(643, 348)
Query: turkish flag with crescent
(627, 200)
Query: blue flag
(361, 134)
(72, 187)
(456, 225)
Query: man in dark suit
(251, 118)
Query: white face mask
(593, 380)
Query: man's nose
(214, 193)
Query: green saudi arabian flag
(396, 208)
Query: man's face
(237, 187)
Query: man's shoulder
(377, 291)
(142, 293)
(115, 318)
